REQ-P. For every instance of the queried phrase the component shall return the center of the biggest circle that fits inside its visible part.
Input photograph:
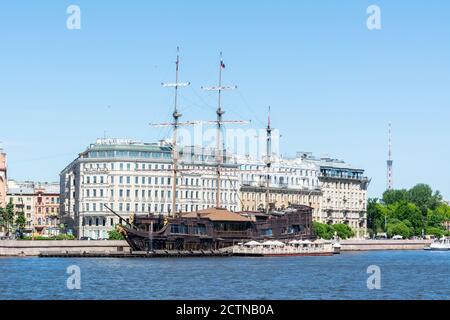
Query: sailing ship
(213, 228)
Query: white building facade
(291, 181)
(136, 178)
(344, 195)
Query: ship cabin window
(225, 226)
(267, 232)
(178, 228)
(200, 229)
(294, 229)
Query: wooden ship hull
(215, 229)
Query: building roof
(30, 187)
(217, 214)
(20, 191)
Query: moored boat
(279, 248)
(215, 228)
(442, 244)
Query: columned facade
(136, 178)
(344, 198)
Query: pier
(369, 245)
(25, 248)
(138, 254)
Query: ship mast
(268, 159)
(175, 125)
(219, 124)
(176, 115)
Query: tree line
(12, 220)
(416, 212)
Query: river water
(403, 275)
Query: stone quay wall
(368, 245)
(35, 247)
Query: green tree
(393, 196)
(115, 235)
(423, 197)
(21, 221)
(441, 214)
(396, 227)
(372, 214)
(63, 236)
(322, 230)
(408, 213)
(7, 216)
(343, 231)
(438, 232)
(376, 213)
(435, 219)
(2, 213)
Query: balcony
(358, 178)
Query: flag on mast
(222, 65)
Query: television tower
(389, 162)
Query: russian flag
(222, 65)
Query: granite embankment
(369, 245)
(34, 248)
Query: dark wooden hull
(202, 234)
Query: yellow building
(40, 204)
(290, 181)
(335, 190)
(254, 199)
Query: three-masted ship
(213, 228)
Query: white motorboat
(442, 244)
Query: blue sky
(333, 84)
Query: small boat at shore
(442, 244)
(278, 248)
